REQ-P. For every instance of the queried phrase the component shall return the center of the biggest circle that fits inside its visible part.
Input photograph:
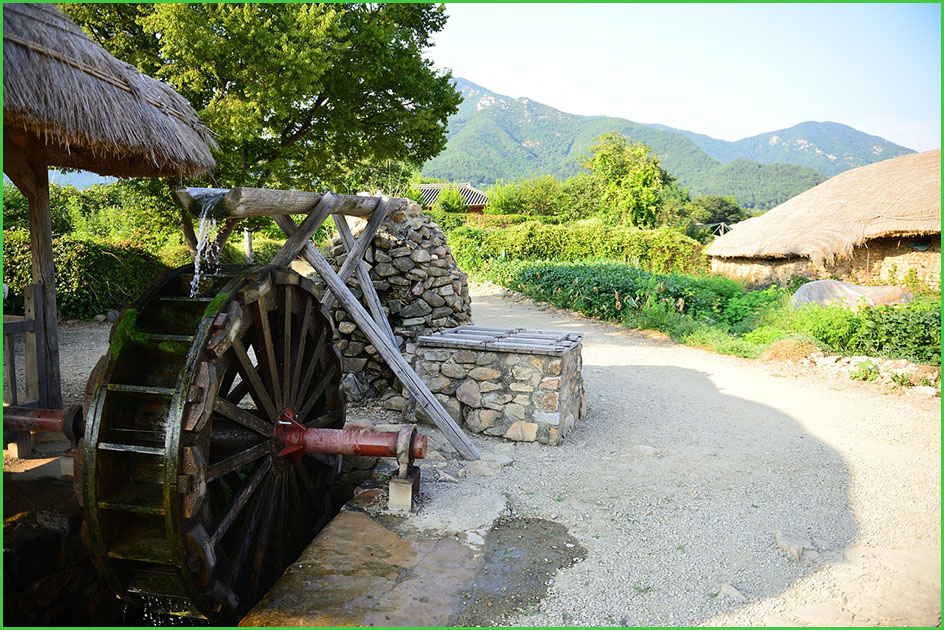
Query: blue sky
(729, 71)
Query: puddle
(521, 558)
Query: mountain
(828, 148)
(495, 137)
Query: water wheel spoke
(287, 348)
(268, 351)
(316, 393)
(227, 379)
(262, 544)
(242, 498)
(244, 539)
(280, 523)
(239, 392)
(220, 468)
(242, 416)
(300, 357)
(313, 365)
(249, 375)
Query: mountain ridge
(494, 137)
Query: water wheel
(187, 506)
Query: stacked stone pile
(420, 286)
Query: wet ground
(522, 556)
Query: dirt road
(689, 461)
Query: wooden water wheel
(187, 505)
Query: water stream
(208, 250)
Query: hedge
(91, 277)
(660, 250)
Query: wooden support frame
(384, 343)
(248, 202)
(36, 387)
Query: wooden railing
(34, 392)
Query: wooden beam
(363, 276)
(356, 253)
(40, 223)
(386, 348)
(17, 168)
(257, 202)
(288, 252)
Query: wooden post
(247, 246)
(44, 273)
(385, 346)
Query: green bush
(450, 200)
(658, 250)
(91, 277)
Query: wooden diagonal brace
(355, 254)
(385, 347)
(367, 286)
(302, 233)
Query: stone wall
(878, 261)
(419, 284)
(521, 397)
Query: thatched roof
(93, 111)
(897, 197)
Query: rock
(482, 468)
(346, 328)
(546, 401)
(353, 389)
(925, 390)
(732, 593)
(516, 411)
(395, 403)
(416, 309)
(112, 316)
(100, 318)
(444, 476)
(419, 256)
(479, 420)
(404, 263)
(521, 431)
(468, 393)
(433, 299)
(484, 374)
(501, 459)
(452, 370)
(793, 544)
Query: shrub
(450, 200)
(91, 277)
(658, 250)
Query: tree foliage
(297, 94)
(631, 179)
(450, 200)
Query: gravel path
(689, 461)
(686, 465)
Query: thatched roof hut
(874, 224)
(67, 102)
(897, 197)
(91, 110)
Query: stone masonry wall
(521, 397)
(420, 286)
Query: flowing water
(208, 250)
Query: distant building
(876, 224)
(473, 197)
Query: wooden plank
(10, 396)
(256, 202)
(356, 253)
(17, 168)
(17, 327)
(33, 360)
(387, 349)
(40, 223)
(363, 276)
(289, 251)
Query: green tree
(717, 209)
(450, 200)
(631, 179)
(298, 95)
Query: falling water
(207, 247)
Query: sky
(728, 71)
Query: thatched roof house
(91, 110)
(474, 198)
(874, 224)
(67, 102)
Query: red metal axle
(68, 422)
(292, 437)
